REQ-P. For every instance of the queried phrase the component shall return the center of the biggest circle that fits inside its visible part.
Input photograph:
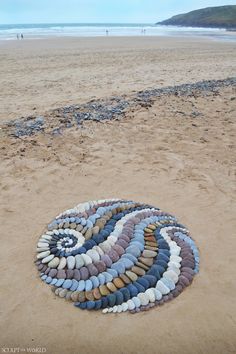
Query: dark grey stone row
(106, 109)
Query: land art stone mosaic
(117, 255)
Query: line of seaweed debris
(56, 120)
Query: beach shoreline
(54, 30)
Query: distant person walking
(21, 36)
(107, 32)
(17, 36)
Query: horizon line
(79, 23)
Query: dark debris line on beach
(55, 121)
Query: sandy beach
(176, 152)
(37, 75)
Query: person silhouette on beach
(21, 36)
(17, 36)
(107, 32)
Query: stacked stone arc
(117, 256)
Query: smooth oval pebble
(81, 285)
(111, 286)
(79, 261)
(67, 284)
(71, 262)
(131, 305)
(146, 261)
(125, 279)
(115, 309)
(151, 295)
(149, 254)
(43, 254)
(74, 285)
(131, 275)
(101, 266)
(63, 293)
(96, 293)
(169, 283)
(108, 277)
(137, 270)
(62, 263)
(48, 258)
(93, 271)
(136, 301)
(162, 288)
(53, 273)
(118, 283)
(88, 285)
(74, 296)
(84, 273)
(59, 282)
(104, 290)
(171, 275)
(101, 279)
(144, 299)
(158, 294)
(124, 307)
(54, 262)
(93, 255)
(87, 260)
(61, 274)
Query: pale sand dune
(41, 74)
(183, 165)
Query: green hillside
(221, 16)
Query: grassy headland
(220, 16)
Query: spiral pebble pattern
(116, 255)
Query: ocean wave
(92, 30)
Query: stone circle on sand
(116, 255)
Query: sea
(38, 31)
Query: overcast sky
(126, 11)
